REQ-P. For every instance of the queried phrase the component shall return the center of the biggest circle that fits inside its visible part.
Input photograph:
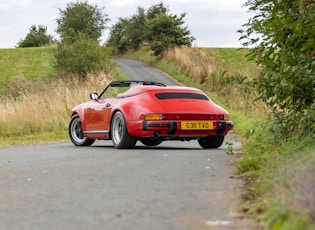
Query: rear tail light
(224, 117)
(155, 117)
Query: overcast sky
(212, 22)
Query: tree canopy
(81, 18)
(154, 26)
(281, 36)
(166, 31)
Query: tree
(81, 18)
(154, 26)
(36, 37)
(80, 26)
(118, 38)
(281, 36)
(135, 29)
(167, 31)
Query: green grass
(232, 59)
(26, 63)
(281, 174)
(36, 138)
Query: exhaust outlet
(156, 134)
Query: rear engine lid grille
(180, 95)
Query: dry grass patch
(46, 109)
(192, 62)
(219, 77)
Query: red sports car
(151, 112)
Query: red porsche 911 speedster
(151, 112)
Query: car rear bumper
(169, 128)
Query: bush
(83, 56)
(282, 36)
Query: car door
(97, 115)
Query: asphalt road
(140, 71)
(175, 186)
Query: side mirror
(93, 96)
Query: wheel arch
(123, 111)
(80, 112)
(110, 122)
(120, 138)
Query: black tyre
(211, 142)
(76, 132)
(151, 141)
(119, 133)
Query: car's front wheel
(119, 133)
(211, 142)
(76, 132)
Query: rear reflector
(159, 116)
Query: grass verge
(281, 188)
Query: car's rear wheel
(151, 141)
(119, 133)
(211, 142)
(76, 132)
